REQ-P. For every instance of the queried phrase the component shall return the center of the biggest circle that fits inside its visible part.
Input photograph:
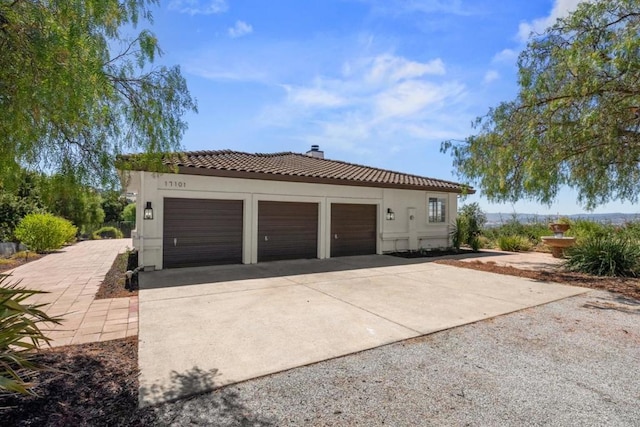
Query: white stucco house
(226, 207)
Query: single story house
(227, 207)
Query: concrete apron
(202, 328)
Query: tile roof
(288, 166)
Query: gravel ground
(569, 363)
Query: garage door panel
(353, 229)
(202, 232)
(287, 230)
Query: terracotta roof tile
(288, 164)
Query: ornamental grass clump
(605, 256)
(20, 335)
(107, 233)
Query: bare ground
(622, 285)
(113, 285)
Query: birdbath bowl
(558, 242)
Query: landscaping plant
(20, 335)
(107, 233)
(468, 226)
(458, 233)
(45, 232)
(514, 243)
(605, 255)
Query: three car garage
(200, 232)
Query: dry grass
(18, 259)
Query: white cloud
(491, 76)
(561, 9)
(313, 97)
(240, 29)
(199, 7)
(412, 97)
(389, 68)
(384, 98)
(505, 56)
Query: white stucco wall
(403, 233)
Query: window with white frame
(437, 209)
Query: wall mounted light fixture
(390, 215)
(148, 211)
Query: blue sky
(375, 82)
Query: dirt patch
(98, 386)
(622, 285)
(16, 261)
(113, 285)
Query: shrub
(467, 228)
(583, 229)
(19, 336)
(605, 256)
(514, 243)
(45, 232)
(485, 242)
(107, 233)
(458, 233)
(129, 213)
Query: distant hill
(495, 219)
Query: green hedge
(45, 232)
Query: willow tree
(575, 121)
(78, 86)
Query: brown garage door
(287, 230)
(202, 232)
(353, 229)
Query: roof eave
(190, 170)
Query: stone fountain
(558, 242)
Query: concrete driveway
(201, 328)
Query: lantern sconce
(390, 215)
(148, 211)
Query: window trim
(442, 202)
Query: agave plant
(20, 336)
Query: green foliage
(458, 233)
(514, 243)
(77, 90)
(64, 196)
(45, 232)
(20, 334)
(468, 226)
(632, 230)
(18, 200)
(113, 204)
(605, 255)
(475, 243)
(575, 120)
(531, 231)
(583, 229)
(107, 233)
(129, 213)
